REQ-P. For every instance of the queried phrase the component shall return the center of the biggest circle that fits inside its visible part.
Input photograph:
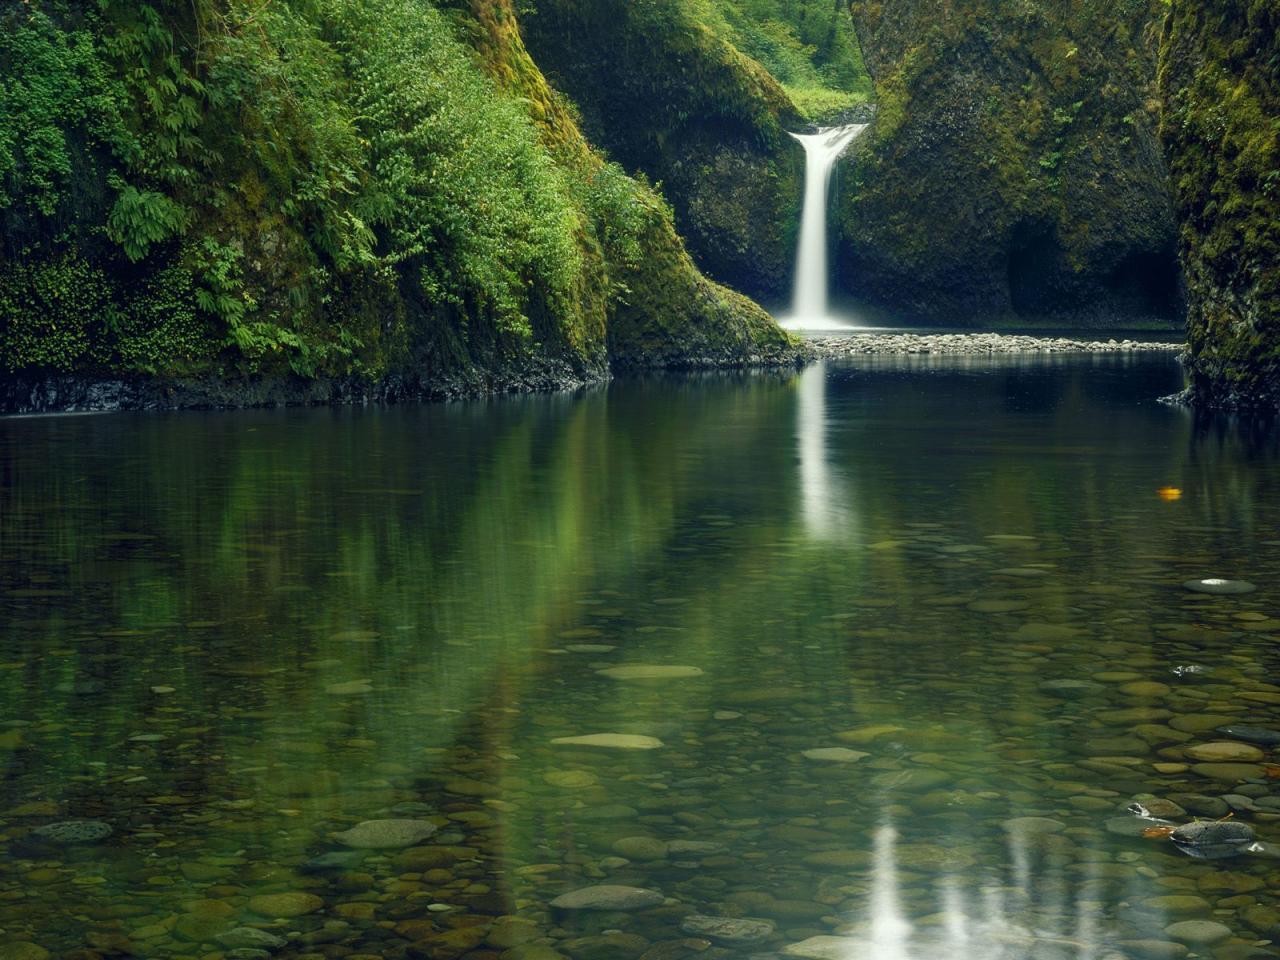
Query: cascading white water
(809, 303)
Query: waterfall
(809, 304)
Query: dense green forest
(393, 197)
(342, 188)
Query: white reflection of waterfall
(821, 149)
(967, 920)
(824, 499)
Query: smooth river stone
(386, 834)
(1220, 587)
(1223, 751)
(649, 671)
(834, 755)
(829, 948)
(285, 904)
(1199, 722)
(1230, 772)
(1260, 735)
(608, 897)
(1198, 933)
(726, 929)
(611, 741)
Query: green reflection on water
(230, 635)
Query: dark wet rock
(1219, 586)
(1213, 839)
(608, 897)
(732, 930)
(1262, 736)
(336, 861)
(606, 946)
(1201, 805)
(72, 831)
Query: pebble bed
(973, 344)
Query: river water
(882, 653)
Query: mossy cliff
(660, 87)
(1220, 78)
(381, 194)
(1013, 171)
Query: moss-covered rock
(666, 95)
(1013, 170)
(1220, 78)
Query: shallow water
(230, 636)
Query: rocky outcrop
(1013, 171)
(1220, 81)
(669, 98)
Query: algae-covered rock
(1013, 169)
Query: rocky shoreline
(973, 344)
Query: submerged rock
(1219, 587)
(650, 671)
(614, 741)
(608, 897)
(727, 929)
(1259, 735)
(386, 834)
(72, 831)
(1213, 839)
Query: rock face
(1218, 81)
(1013, 169)
(666, 96)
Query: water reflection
(964, 918)
(825, 498)
(232, 637)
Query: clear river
(862, 662)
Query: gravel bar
(973, 344)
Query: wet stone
(834, 755)
(289, 905)
(606, 946)
(72, 831)
(611, 741)
(608, 897)
(727, 929)
(1224, 751)
(1262, 736)
(1198, 933)
(386, 834)
(1219, 586)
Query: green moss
(664, 92)
(330, 188)
(1013, 167)
(1221, 125)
